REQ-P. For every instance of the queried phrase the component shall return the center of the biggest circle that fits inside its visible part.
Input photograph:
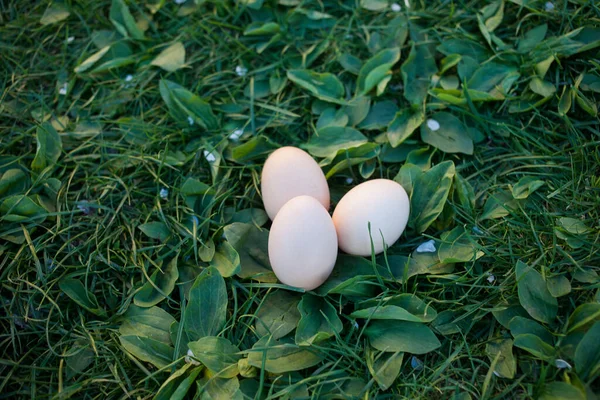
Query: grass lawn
(132, 229)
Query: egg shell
(290, 172)
(303, 243)
(383, 203)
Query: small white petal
(407, 3)
(427, 247)
(356, 326)
(491, 278)
(129, 78)
(433, 124)
(562, 364)
(210, 157)
(235, 135)
(349, 181)
(189, 360)
(497, 374)
(190, 121)
(241, 71)
(549, 6)
(348, 36)
(396, 7)
(164, 193)
(63, 90)
(70, 39)
(180, 1)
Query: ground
(132, 138)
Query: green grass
(119, 150)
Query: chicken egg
(303, 243)
(290, 172)
(382, 203)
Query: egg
(290, 172)
(303, 243)
(382, 203)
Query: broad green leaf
(584, 316)
(464, 192)
(148, 350)
(178, 384)
(319, 320)
(384, 367)
(574, 226)
(586, 104)
(565, 101)
(254, 216)
(465, 48)
(325, 86)
(154, 323)
(406, 307)
(79, 294)
(448, 62)
(185, 106)
(408, 176)
(13, 181)
(376, 69)
(403, 125)
(374, 5)
(282, 355)
(536, 346)
(350, 63)
(499, 205)
(121, 18)
(20, 208)
(417, 70)
(521, 326)
(49, 147)
(402, 336)
(330, 140)
(156, 230)
(349, 278)
(534, 295)
(558, 286)
(332, 117)
(587, 354)
(447, 133)
(226, 260)
(259, 28)
(278, 315)
(215, 388)
(561, 391)
(357, 109)
(172, 58)
(504, 314)
(506, 366)
(54, 14)
(206, 310)
(217, 354)
(80, 361)
(346, 158)
(160, 286)
(385, 312)
(179, 339)
(526, 186)
(429, 195)
(458, 246)
(257, 147)
(380, 115)
(586, 275)
(590, 82)
(532, 38)
(494, 78)
(251, 243)
(541, 87)
(421, 157)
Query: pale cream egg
(303, 243)
(290, 172)
(382, 203)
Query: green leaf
(416, 73)
(561, 391)
(226, 260)
(374, 5)
(349, 278)
(565, 101)
(156, 230)
(376, 69)
(404, 336)
(464, 192)
(350, 63)
(584, 316)
(172, 58)
(536, 346)
(408, 176)
(357, 109)
(325, 86)
(154, 323)
(380, 115)
(404, 307)
(558, 286)
(319, 321)
(121, 18)
(330, 140)
(148, 350)
(54, 14)
(279, 356)
(19, 208)
(574, 226)
(521, 326)
(532, 38)
(404, 124)
(506, 366)
(215, 388)
(499, 205)
(541, 87)
(458, 246)
(385, 312)
(429, 195)
(384, 367)
(217, 354)
(590, 82)
(184, 105)
(178, 384)
(587, 105)
(79, 294)
(534, 295)
(13, 181)
(278, 315)
(526, 186)
(251, 243)
(494, 78)
(206, 310)
(257, 147)
(259, 28)
(49, 147)
(504, 314)
(447, 133)
(160, 286)
(332, 117)
(587, 354)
